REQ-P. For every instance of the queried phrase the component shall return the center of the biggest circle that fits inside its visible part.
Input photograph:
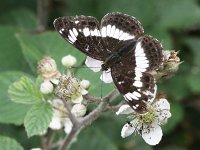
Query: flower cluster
(69, 88)
(66, 88)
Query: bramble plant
(60, 100)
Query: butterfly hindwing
(132, 75)
(83, 33)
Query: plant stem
(78, 125)
(43, 9)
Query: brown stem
(71, 116)
(69, 138)
(47, 140)
(43, 9)
(87, 120)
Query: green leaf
(193, 81)
(25, 91)
(175, 87)
(9, 144)
(194, 44)
(96, 84)
(132, 7)
(10, 112)
(174, 147)
(104, 125)
(23, 18)
(30, 50)
(47, 44)
(173, 14)
(38, 119)
(177, 116)
(10, 56)
(100, 142)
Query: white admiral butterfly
(119, 43)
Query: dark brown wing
(117, 29)
(83, 33)
(131, 76)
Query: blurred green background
(27, 34)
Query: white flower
(68, 61)
(147, 125)
(95, 65)
(36, 149)
(69, 89)
(78, 110)
(46, 87)
(60, 117)
(85, 84)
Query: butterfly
(119, 42)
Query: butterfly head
(110, 61)
(104, 67)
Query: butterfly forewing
(83, 33)
(117, 29)
(132, 75)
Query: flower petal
(162, 104)
(163, 116)
(129, 129)
(152, 135)
(54, 81)
(68, 125)
(55, 123)
(84, 92)
(125, 109)
(106, 77)
(78, 98)
(93, 64)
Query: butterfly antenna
(85, 67)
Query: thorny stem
(78, 125)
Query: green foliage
(176, 118)
(10, 112)
(96, 83)
(23, 18)
(11, 56)
(46, 44)
(38, 119)
(173, 22)
(9, 144)
(101, 141)
(25, 91)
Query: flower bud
(68, 61)
(46, 87)
(47, 68)
(85, 84)
(170, 65)
(78, 110)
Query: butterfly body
(124, 52)
(115, 57)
